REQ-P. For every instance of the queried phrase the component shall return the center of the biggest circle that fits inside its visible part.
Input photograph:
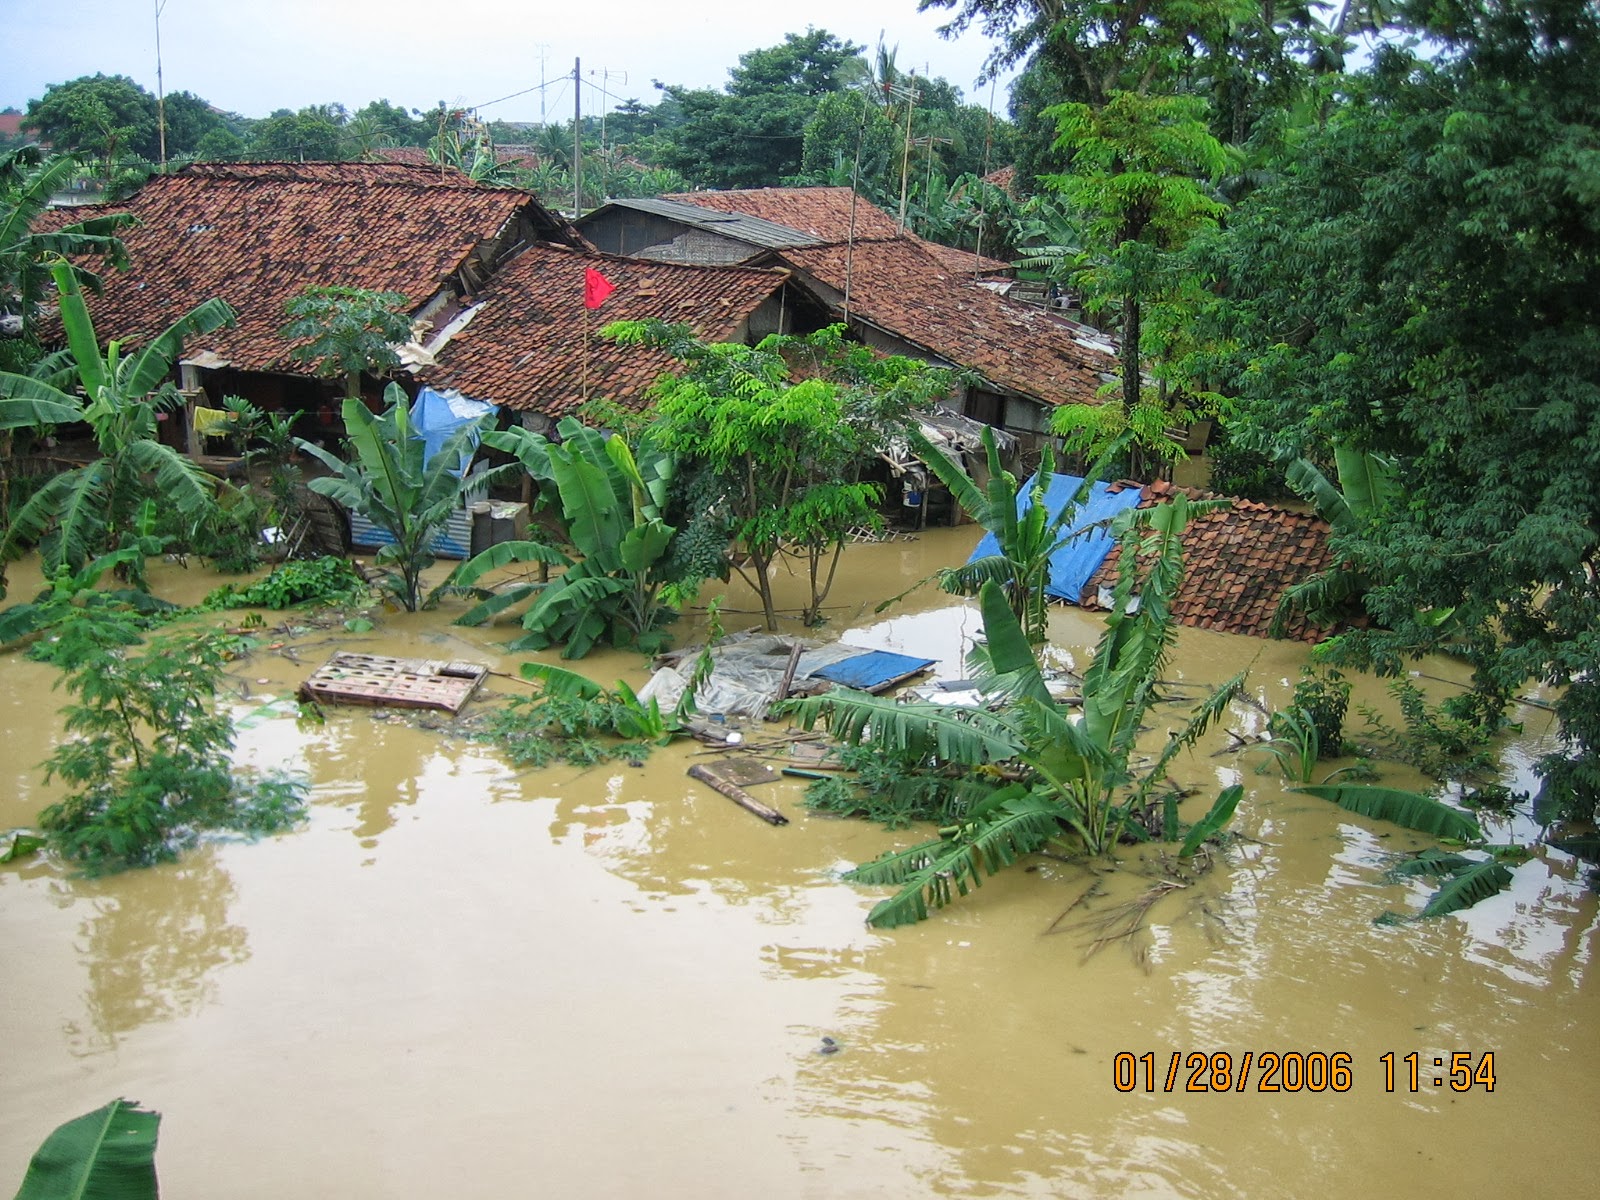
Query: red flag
(596, 287)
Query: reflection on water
(151, 945)
(618, 980)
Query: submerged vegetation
(149, 763)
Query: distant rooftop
(757, 231)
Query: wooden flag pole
(583, 358)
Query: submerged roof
(256, 234)
(1238, 562)
(524, 348)
(757, 231)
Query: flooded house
(895, 291)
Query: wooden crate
(350, 678)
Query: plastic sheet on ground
(747, 672)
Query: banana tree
(612, 503)
(27, 181)
(1365, 483)
(392, 482)
(1052, 775)
(83, 512)
(1026, 534)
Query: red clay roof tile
(1238, 562)
(255, 234)
(525, 348)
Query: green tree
(347, 331)
(310, 135)
(189, 121)
(1039, 773)
(150, 756)
(104, 115)
(1138, 162)
(786, 453)
(752, 134)
(390, 481)
(90, 509)
(1425, 285)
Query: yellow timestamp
(1405, 1073)
(1294, 1071)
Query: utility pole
(161, 95)
(577, 139)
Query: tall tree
(104, 115)
(1425, 284)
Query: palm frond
(1410, 809)
(558, 681)
(503, 554)
(26, 400)
(109, 1152)
(1432, 862)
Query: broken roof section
(1238, 562)
(256, 234)
(524, 345)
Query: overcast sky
(254, 56)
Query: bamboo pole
(737, 794)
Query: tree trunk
(1131, 316)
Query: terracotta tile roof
(1005, 178)
(899, 287)
(524, 348)
(823, 212)
(1237, 562)
(923, 294)
(961, 262)
(255, 234)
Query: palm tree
(86, 511)
(27, 181)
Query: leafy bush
(150, 758)
(328, 581)
(1325, 699)
(1249, 474)
(893, 789)
(575, 720)
(1437, 739)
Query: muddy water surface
(464, 980)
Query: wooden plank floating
(351, 678)
(737, 794)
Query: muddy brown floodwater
(464, 980)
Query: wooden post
(788, 671)
(737, 794)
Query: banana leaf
(1410, 809)
(107, 1154)
(1468, 887)
(1220, 814)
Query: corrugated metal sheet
(452, 541)
(757, 231)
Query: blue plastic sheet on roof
(436, 415)
(872, 669)
(1076, 560)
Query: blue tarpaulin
(872, 670)
(1075, 561)
(436, 415)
